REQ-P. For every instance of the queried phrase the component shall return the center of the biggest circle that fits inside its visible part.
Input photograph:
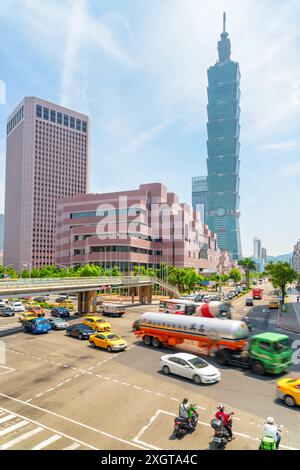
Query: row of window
(15, 120)
(59, 118)
(124, 249)
(130, 211)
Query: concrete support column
(85, 302)
(145, 294)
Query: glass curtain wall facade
(223, 148)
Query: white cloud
(278, 146)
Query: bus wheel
(155, 342)
(257, 368)
(147, 340)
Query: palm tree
(249, 265)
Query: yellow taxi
(96, 323)
(26, 316)
(273, 304)
(288, 390)
(108, 340)
(67, 304)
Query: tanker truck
(227, 339)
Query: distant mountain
(283, 258)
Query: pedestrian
(298, 298)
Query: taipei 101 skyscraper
(223, 148)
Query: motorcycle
(269, 443)
(221, 434)
(183, 426)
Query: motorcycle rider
(186, 412)
(271, 430)
(225, 418)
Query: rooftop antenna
(224, 22)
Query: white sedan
(18, 307)
(191, 367)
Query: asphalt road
(59, 393)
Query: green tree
(235, 275)
(89, 270)
(248, 265)
(281, 275)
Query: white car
(2, 303)
(18, 307)
(191, 367)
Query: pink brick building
(47, 157)
(143, 227)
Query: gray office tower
(223, 148)
(199, 196)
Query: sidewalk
(290, 319)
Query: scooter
(269, 443)
(221, 435)
(183, 426)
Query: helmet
(270, 420)
(185, 400)
(221, 407)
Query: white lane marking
(71, 421)
(14, 427)
(21, 438)
(47, 427)
(72, 446)
(7, 418)
(6, 370)
(47, 442)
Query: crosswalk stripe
(72, 446)
(13, 427)
(47, 442)
(21, 438)
(7, 418)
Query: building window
(66, 120)
(38, 111)
(84, 126)
(59, 118)
(78, 124)
(46, 113)
(52, 116)
(72, 122)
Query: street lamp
(28, 265)
(66, 267)
(5, 267)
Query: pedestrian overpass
(85, 287)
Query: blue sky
(138, 68)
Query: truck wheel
(155, 342)
(221, 357)
(147, 340)
(257, 368)
(289, 401)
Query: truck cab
(269, 352)
(37, 325)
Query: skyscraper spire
(224, 45)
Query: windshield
(43, 322)
(198, 362)
(190, 309)
(281, 345)
(101, 320)
(113, 337)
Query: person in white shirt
(271, 430)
